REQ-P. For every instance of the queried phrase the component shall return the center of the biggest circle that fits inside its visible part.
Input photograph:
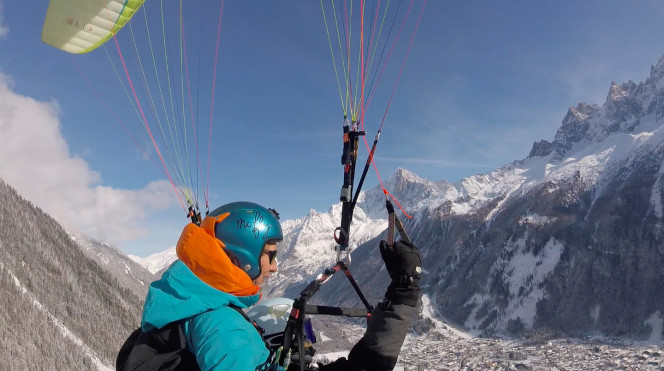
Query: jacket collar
(203, 253)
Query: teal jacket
(219, 336)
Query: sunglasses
(272, 255)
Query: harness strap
(272, 357)
(350, 277)
(335, 311)
(348, 160)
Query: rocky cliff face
(576, 243)
(558, 256)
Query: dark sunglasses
(272, 255)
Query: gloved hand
(404, 265)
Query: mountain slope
(60, 310)
(576, 237)
(125, 269)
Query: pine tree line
(82, 295)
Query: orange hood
(203, 253)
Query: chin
(262, 281)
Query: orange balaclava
(203, 253)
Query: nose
(273, 266)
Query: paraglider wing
(79, 26)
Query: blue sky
(483, 81)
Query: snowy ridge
(606, 145)
(115, 261)
(158, 261)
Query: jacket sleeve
(380, 346)
(223, 340)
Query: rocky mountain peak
(576, 115)
(657, 71)
(617, 92)
(573, 129)
(625, 105)
(402, 178)
(541, 148)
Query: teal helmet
(245, 231)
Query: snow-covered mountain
(308, 246)
(566, 238)
(157, 261)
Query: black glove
(404, 264)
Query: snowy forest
(60, 310)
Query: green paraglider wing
(80, 26)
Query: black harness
(294, 334)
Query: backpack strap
(157, 349)
(166, 349)
(260, 330)
(125, 350)
(271, 358)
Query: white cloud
(4, 29)
(35, 160)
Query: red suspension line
(349, 78)
(369, 46)
(115, 116)
(364, 109)
(362, 58)
(145, 121)
(412, 38)
(403, 64)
